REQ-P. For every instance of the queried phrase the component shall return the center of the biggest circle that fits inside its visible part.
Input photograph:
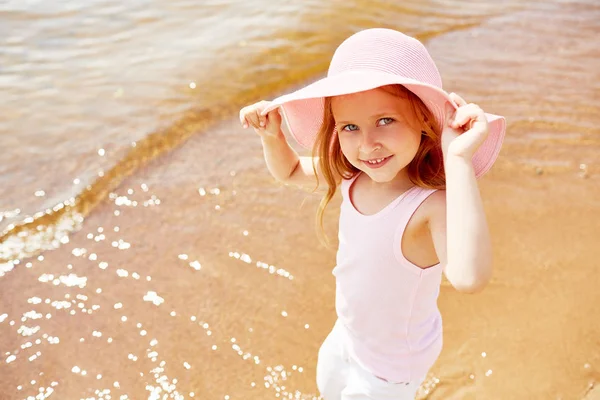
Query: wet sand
(246, 291)
(534, 322)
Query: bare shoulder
(434, 207)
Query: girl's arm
(459, 229)
(284, 164)
(457, 223)
(288, 167)
(282, 161)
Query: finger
(457, 99)
(262, 119)
(467, 113)
(449, 110)
(252, 119)
(243, 118)
(263, 106)
(471, 121)
(274, 116)
(269, 116)
(248, 117)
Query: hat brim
(303, 109)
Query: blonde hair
(425, 170)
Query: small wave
(50, 228)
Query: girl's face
(376, 132)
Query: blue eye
(350, 128)
(386, 121)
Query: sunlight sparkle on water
(196, 265)
(154, 298)
(273, 270)
(121, 244)
(67, 280)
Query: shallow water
(176, 265)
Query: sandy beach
(189, 273)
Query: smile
(376, 162)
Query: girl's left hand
(465, 130)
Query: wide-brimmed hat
(370, 59)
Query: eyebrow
(376, 116)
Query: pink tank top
(386, 304)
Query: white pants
(339, 377)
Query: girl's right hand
(266, 126)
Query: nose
(369, 142)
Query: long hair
(425, 170)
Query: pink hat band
(373, 58)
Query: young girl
(406, 156)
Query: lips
(376, 162)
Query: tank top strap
(345, 186)
(410, 203)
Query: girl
(406, 156)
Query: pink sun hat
(370, 59)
